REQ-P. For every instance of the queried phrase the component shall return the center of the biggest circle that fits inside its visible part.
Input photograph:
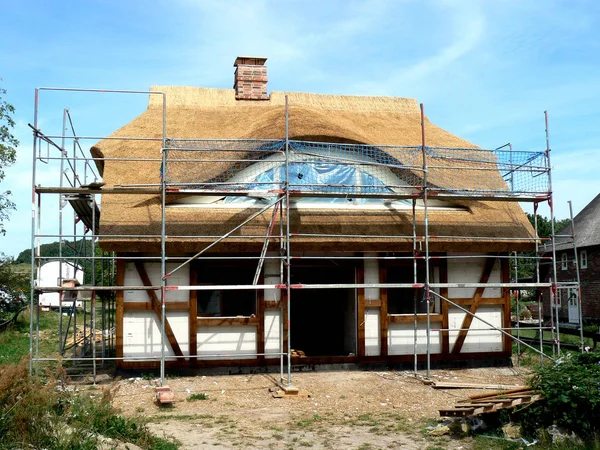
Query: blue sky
(485, 70)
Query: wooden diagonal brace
(156, 306)
(462, 334)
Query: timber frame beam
(156, 306)
(466, 324)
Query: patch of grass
(365, 446)
(495, 443)
(14, 342)
(305, 444)
(309, 422)
(182, 417)
(368, 420)
(195, 397)
(424, 430)
(277, 436)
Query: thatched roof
(200, 113)
(587, 228)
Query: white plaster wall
(371, 276)
(271, 268)
(179, 278)
(478, 341)
(272, 332)
(372, 342)
(435, 278)
(469, 270)
(141, 333)
(230, 341)
(401, 338)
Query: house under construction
(237, 227)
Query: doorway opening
(323, 321)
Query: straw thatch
(587, 226)
(199, 113)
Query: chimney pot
(250, 82)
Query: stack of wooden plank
(452, 385)
(289, 392)
(80, 337)
(486, 403)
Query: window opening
(225, 303)
(584, 259)
(402, 300)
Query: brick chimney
(250, 78)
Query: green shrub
(571, 390)
(200, 396)
(42, 413)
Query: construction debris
(289, 392)
(486, 403)
(164, 395)
(297, 353)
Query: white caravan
(49, 275)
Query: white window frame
(583, 259)
(564, 262)
(572, 297)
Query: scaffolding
(258, 171)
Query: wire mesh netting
(246, 165)
(479, 171)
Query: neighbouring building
(587, 242)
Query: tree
(14, 287)
(545, 226)
(544, 229)
(8, 154)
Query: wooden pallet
(494, 401)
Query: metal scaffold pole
(93, 300)
(288, 259)
(37, 306)
(518, 312)
(33, 216)
(578, 289)
(427, 291)
(163, 242)
(538, 295)
(60, 232)
(282, 247)
(554, 294)
(415, 293)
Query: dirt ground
(352, 409)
